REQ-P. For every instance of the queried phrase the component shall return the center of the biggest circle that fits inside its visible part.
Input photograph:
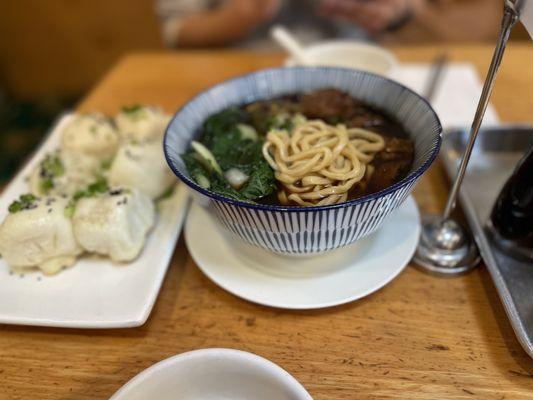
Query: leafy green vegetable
(204, 156)
(223, 123)
(247, 156)
(196, 170)
(232, 147)
(205, 179)
(234, 152)
(25, 202)
(262, 181)
(221, 186)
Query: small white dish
(338, 277)
(94, 293)
(213, 374)
(348, 54)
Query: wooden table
(421, 337)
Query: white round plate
(326, 280)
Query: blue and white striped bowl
(307, 230)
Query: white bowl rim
(239, 355)
(350, 45)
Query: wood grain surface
(420, 337)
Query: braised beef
(328, 103)
(392, 163)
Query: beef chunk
(395, 149)
(327, 104)
(392, 163)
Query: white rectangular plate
(94, 293)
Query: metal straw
(509, 19)
(445, 248)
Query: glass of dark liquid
(511, 221)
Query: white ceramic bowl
(213, 374)
(349, 54)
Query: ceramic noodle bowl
(308, 230)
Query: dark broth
(332, 106)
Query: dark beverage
(511, 220)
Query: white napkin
(457, 94)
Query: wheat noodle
(318, 164)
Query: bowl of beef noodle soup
(303, 160)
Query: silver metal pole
(445, 248)
(509, 19)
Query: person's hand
(372, 15)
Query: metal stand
(445, 248)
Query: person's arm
(421, 20)
(374, 16)
(473, 20)
(231, 21)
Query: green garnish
(46, 184)
(69, 209)
(98, 186)
(95, 188)
(106, 164)
(25, 202)
(132, 109)
(51, 168)
(15, 207)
